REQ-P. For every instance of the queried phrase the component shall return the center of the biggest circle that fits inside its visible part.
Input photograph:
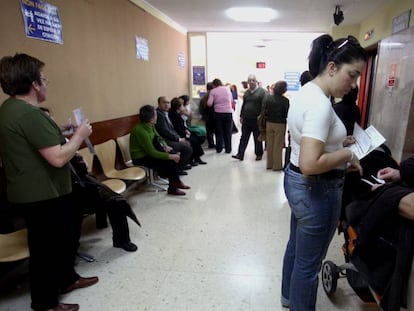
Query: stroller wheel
(330, 275)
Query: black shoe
(258, 158)
(186, 167)
(199, 161)
(182, 173)
(211, 146)
(238, 157)
(194, 163)
(128, 246)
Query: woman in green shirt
(35, 156)
(149, 149)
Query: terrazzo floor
(220, 247)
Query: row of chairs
(105, 167)
(114, 167)
(13, 245)
(101, 163)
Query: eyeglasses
(165, 102)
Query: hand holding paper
(83, 124)
(365, 140)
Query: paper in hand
(79, 118)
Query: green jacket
(141, 142)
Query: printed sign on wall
(181, 60)
(292, 80)
(41, 21)
(199, 75)
(142, 48)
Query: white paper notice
(365, 140)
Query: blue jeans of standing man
(316, 204)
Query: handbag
(95, 196)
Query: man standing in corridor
(253, 100)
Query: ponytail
(325, 49)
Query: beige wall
(96, 68)
(380, 21)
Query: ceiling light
(251, 14)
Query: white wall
(232, 56)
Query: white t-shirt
(311, 115)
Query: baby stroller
(378, 244)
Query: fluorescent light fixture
(251, 14)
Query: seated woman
(175, 114)
(187, 115)
(149, 149)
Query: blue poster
(199, 75)
(292, 80)
(41, 21)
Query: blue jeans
(316, 206)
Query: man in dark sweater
(252, 106)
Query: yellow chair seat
(13, 246)
(106, 153)
(116, 185)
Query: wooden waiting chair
(116, 185)
(123, 143)
(106, 154)
(13, 246)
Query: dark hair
(210, 86)
(351, 97)
(185, 98)
(176, 102)
(146, 113)
(305, 77)
(217, 82)
(280, 88)
(341, 51)
(18, 72)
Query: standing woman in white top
(314, 177)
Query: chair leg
(86, 257)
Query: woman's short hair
(280, 88)
(146, 113)
(176, 102)
(341, 51)
(18, 72)
(217, 82)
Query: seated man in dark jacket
(165, 128)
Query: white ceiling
(294, 15)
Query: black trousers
(53, 238)
(224, 123)
(185, 150)
(165, 168)
(249, 126)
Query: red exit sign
(261, 65)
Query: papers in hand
(377, 181)
(365, 140)
(79, 118)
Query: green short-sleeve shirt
(24, 129)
